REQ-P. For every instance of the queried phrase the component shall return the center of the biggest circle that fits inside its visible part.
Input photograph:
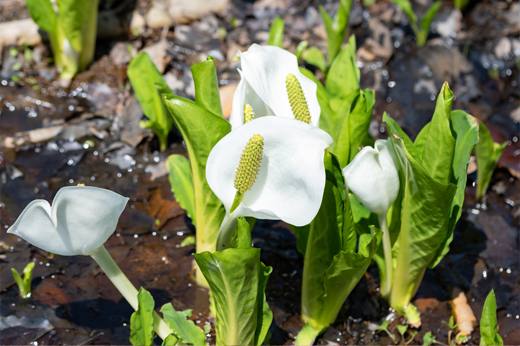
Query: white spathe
(373, 177)
(291, 180)
(262, 85)
(80, 220)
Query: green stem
(127, 289)
(307, 335)
(225, 233)
(387, 248)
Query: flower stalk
(125, 287)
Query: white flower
(285, 178)
(80, 220)
(373, 177)
(263, 85)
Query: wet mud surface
(101, 144)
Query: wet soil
(72, 301)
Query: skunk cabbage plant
(372, 177)
(432, 179)
(269, 168)
(272, 84)
(72, 32)
(332, 267)
(79, 222)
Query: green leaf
(345, 272)
(141, 322)
(315, 57)
(276, 33)
(488, 322)
(43, 14)
(337, 28)
(190, 240)
(184, 329)
(331, 267)
(343, 76)
(428, 339)
(146, 79)
(300, 48)
(488, 154)
(465, 129)
(426, 208)
(171, 340)
(426, 21)
(244, 234)
(402, 329)
(237, 279)
(461, 4)
(406, 6)
(439, 148)
(182, 185)
(207, 94)
(302, 237)
(201, 130)
(75, 20)
(352, 133)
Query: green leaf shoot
(43, 14)
(171, 340)
(276, 33)
(488, 322)
(420, 27)
(429, 339)
(488, 154)
(300, 48)
(384, 328)
(146, 80)
(207, 94)
(182, 184)
(141, 321)
(184, 329)
(24, 284)
(336, 28)
(189, 240)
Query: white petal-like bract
(373, 178)
(290, 183)
(80, 220)
(263, 76)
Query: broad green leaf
(402, 329)
(425, 213)
(439, 148)
(237, 279)
(328, 118)
(171, 340)
(428, 339)
(396, 129)
(276, 33)
(265, 316)
(315, 57)
(352, 132)
(345, 272)
(302, 237)
(466, 131)
(141, 321)
(201, 130)
(182, 185)
(488, 153)
(184, 329)
(333, 46)
(207, 94)
(244, 234)
(43, 14)
(426, 21)
(420, 142)
(406, 6)
(146, 79)
(332, 239)
(343, 76)
(75, 19)
(488, 322)
(302, 46)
